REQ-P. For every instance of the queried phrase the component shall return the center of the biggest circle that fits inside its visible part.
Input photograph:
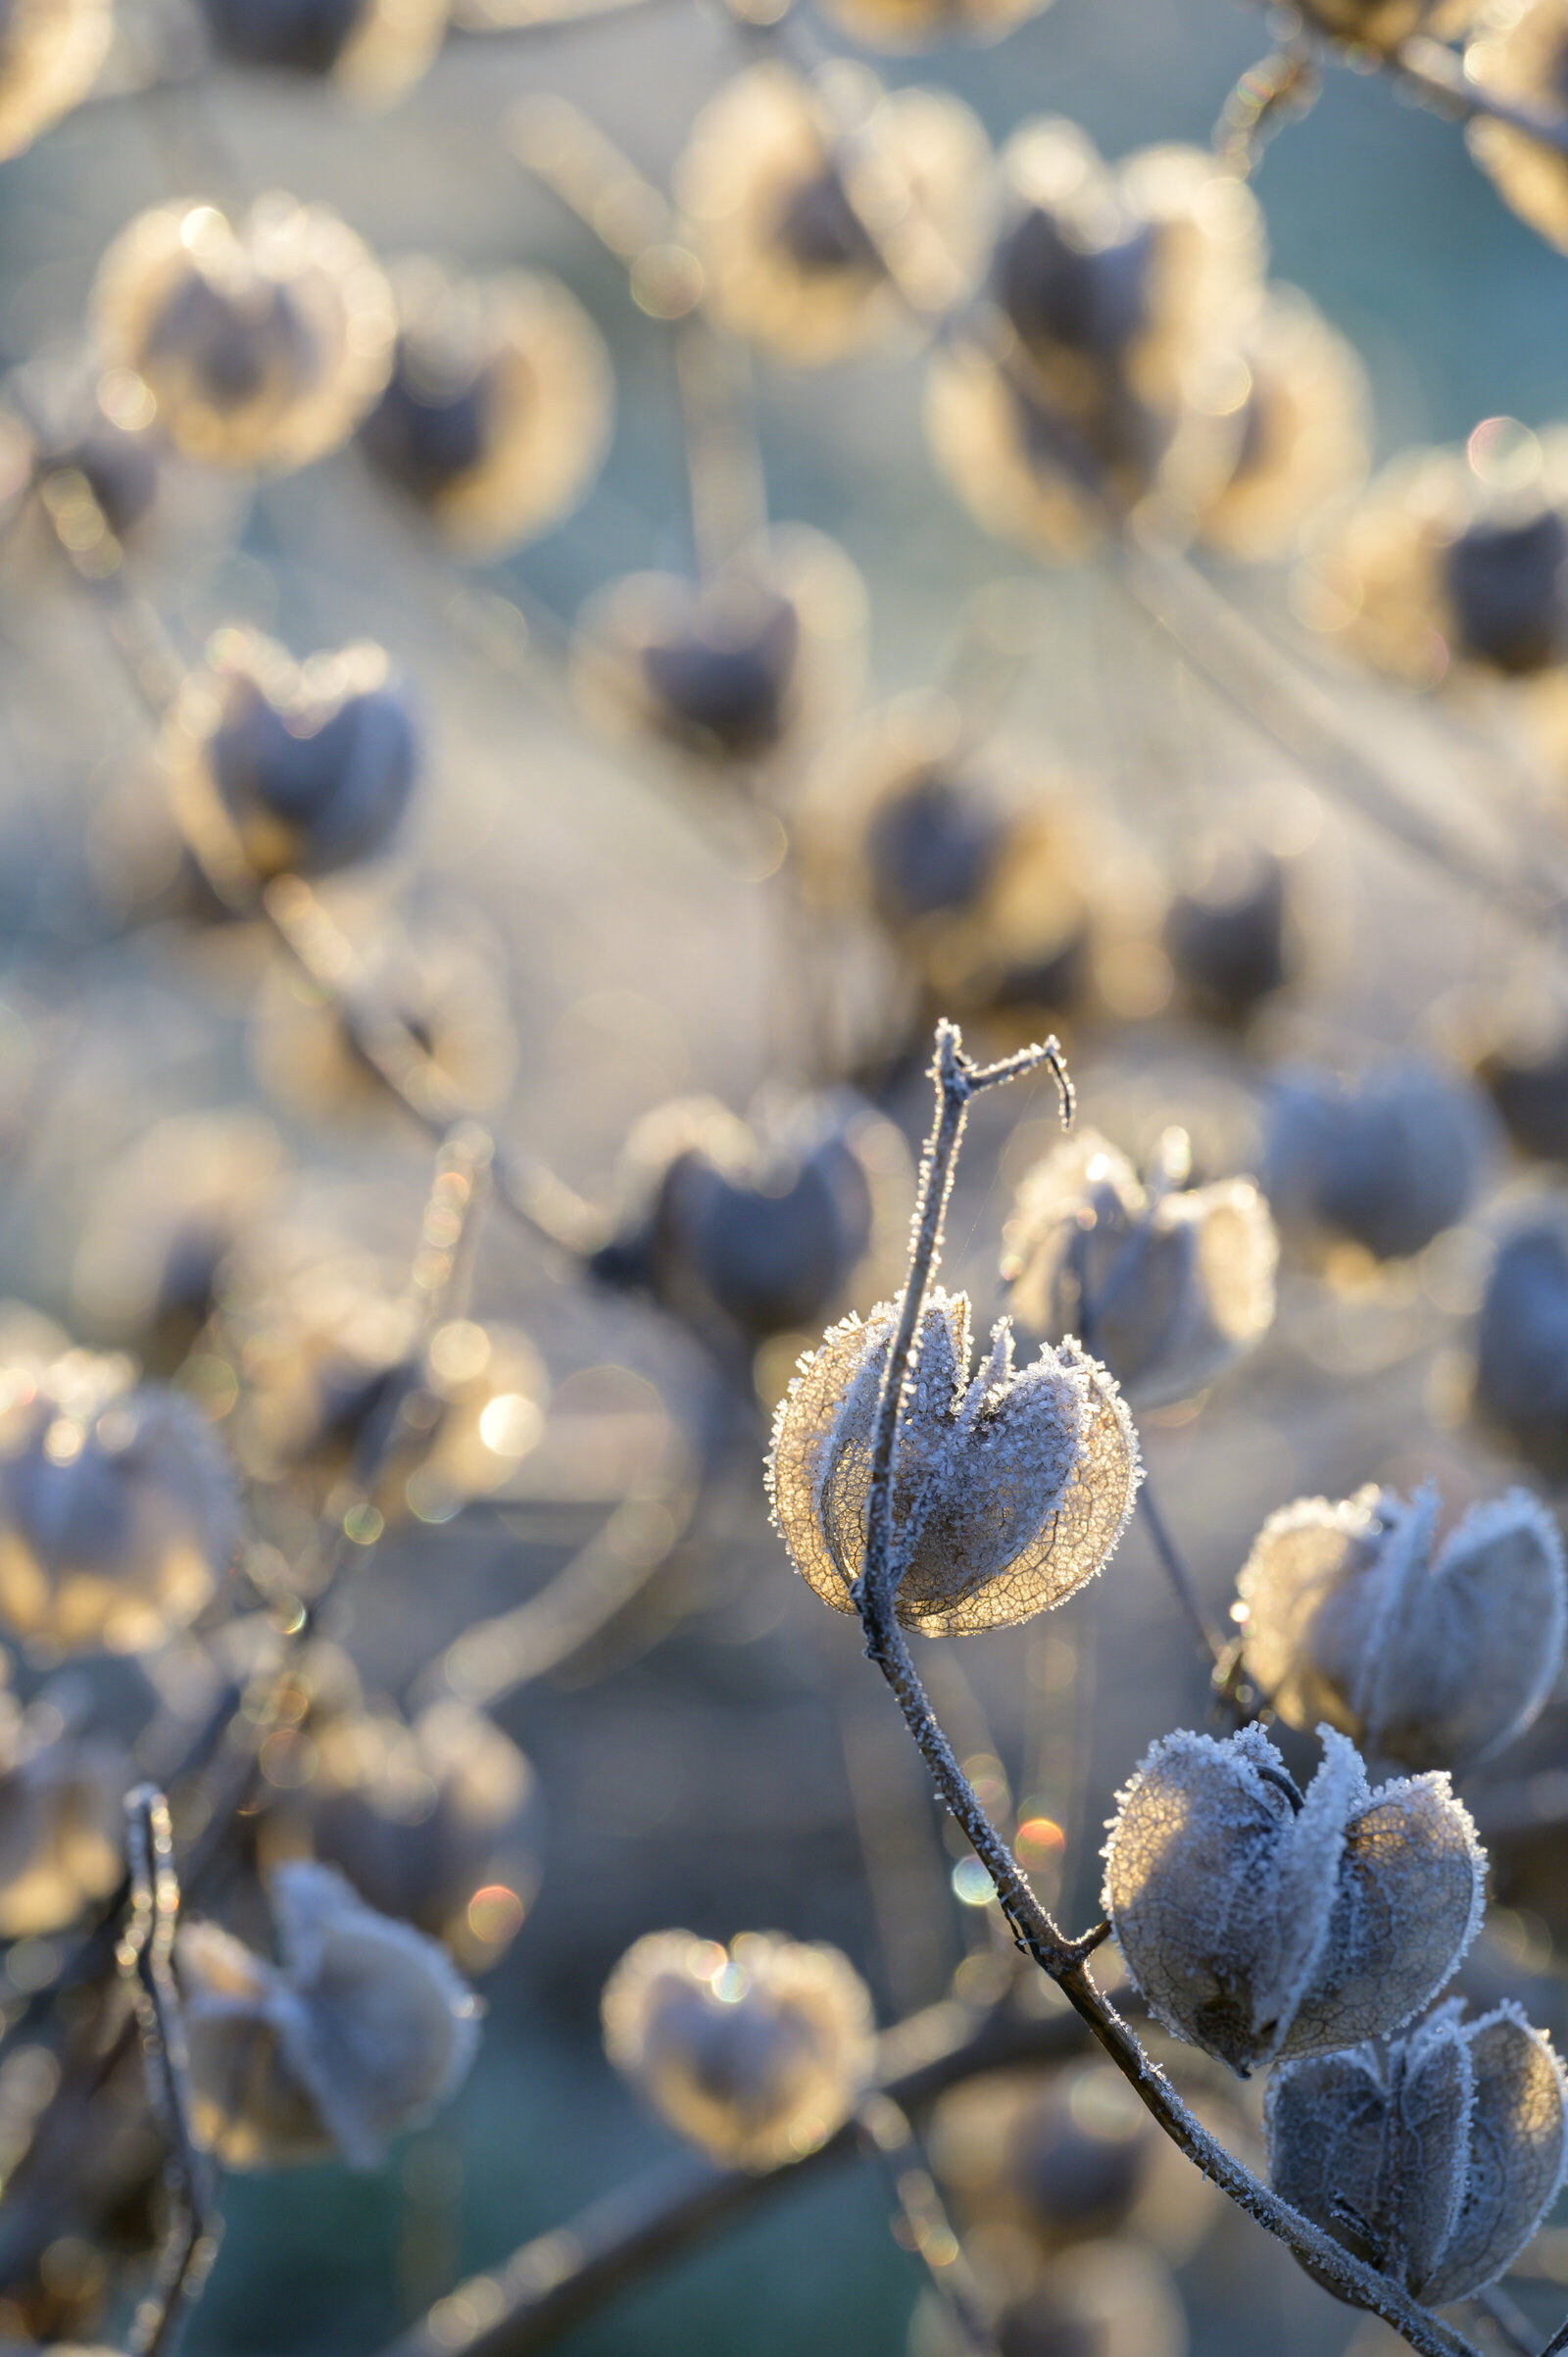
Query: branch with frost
(1065, 1960)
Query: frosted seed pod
(377, 49)
(766, 653)
(1388, 1161)
(62, 1819)
(1227, 932)
(1011, 1487)
(1431, 1656)
(118, 1512)
(361, 2028)
(277, 767)
(825, 212)
(761, 1229)
(1258, 1924)
(756, 2053)
(1452, 557)
(1172, 1285)
(263, 346)
(498, 413)
(1433, 2158)
(895, 25)
(1112, 376)
(1518, 51)
(1522, 1341)
(162, 1222)
(437, 1822)
(1304, 443)
(50, 54)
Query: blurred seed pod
(1304, 425)
(735, 669)
(500, 406)
(377, 49)
(1388, 1162)
(1518, 51)
(1521, 1388)
(1172, 1284)
(828, 215)
(1433, 2159)
(994, 876)
(1258, 1924)
(118, 1512)
(1108, 372)
(327, 1338)
(62, 1817)
(280, 767)
(161, 1225)
(753, 1231)
(263, 346)
(1038, 2163)
(1011, 1488)
(437, 1822)
(898, 25)
(50, 54)
(359, 2029)
(756, 2053)
(1519, 1051)
(1382, 25)
(1227, 930)
(448, 990)
(1452, 557)
(1428, 1656)
(1101, 2299)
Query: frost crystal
(1172, 1286)
(757, 2053)
(1010, 1488)
(362, 2028)
(1433, 2158)
(1433, 1658)
(1260, 1923)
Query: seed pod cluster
(1011, 1487)
(756, 2053)
(1305, 424)
(1387, 1162)
(262, 345)
(376, 48)
(825, 211)
(1110, 372)
(1434, 2157)
(1430, 1656)
(498, 411)
(50, 54)
(1172, 1285)
(1262, 1924)
(1228, 932)
(362, 2029)
(277, 767)
(118, 1509)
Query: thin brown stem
(1065, 1960)
(146, 1958)
(1175, 1567)
(550, 2284)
